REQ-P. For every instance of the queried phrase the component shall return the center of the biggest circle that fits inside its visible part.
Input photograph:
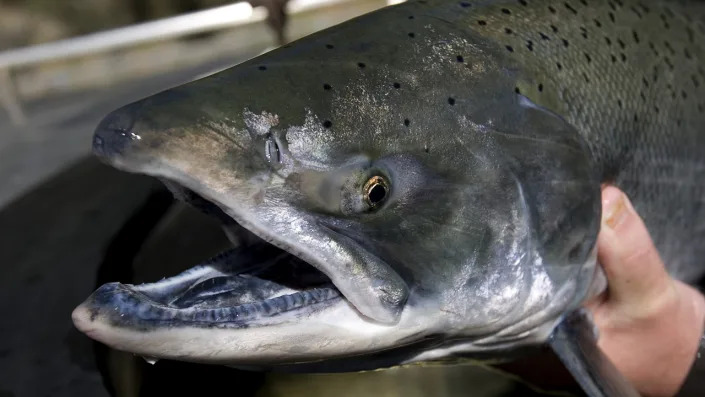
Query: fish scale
(629, 76)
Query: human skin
(650, 324)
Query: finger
(626, 252)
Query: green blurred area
(27, 22)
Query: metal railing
(210, 20)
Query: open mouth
(237, 288)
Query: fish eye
(375, 191)
(271, 151)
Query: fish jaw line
(334, 332)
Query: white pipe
(187, 24)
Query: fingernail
(614, 207)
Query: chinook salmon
(420, 183)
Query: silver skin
(484, 240)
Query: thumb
(634, 270)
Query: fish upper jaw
(372, 286)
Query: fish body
(419, 183)
(629, 76)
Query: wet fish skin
(495, 124)
(630, 76)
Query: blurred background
(69, 223)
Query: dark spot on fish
(636, 36)
(554, 29)
(509, 48)
(361, 65)
(451, 101)
(565, 43)
(426, 148)
(327, 124)
(262, 67)
(653, 47)
(668, 62)
(585, 76)
(679, 122)
(614, 58)
(646, 82)
(619, 103)
(507, 31)
(570, 8)
(559, 66)
(691, 34)
(636, 118)
(656, 109)
(669, 48)
(621, 43)
(624, 57)
(540, 87)
(611, 16)
(481, 23)
(696, 82)
(327, 87)
(543, 36)
(396, 85)
(407, 122)
(517, 90)
(701, 107)
(635, 11)
(530, 45)
(687, 54)
(608, 41)
(464, 4)
(684, 94)
(584, 32)
(506, 11)
(553, 10)
(665, 22)
(411, 17)
(597, 23)
(330, 46)
(643, 97)
(587, 58)
(612, 6)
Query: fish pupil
(377, 194)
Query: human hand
(650, 324)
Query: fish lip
(162, 303)
(123, 305)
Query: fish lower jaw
(334, 329)
(125, 306)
